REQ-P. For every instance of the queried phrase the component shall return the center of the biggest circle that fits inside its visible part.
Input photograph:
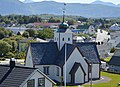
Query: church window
(68, 39)
(62, 39)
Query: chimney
(12, 63)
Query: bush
(112, 50)
(9, 55)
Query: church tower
(63, 35)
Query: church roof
(63, 27)
(89, 51)
(48, 53)
(44, 53)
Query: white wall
(60, 36)
(102, 36)
(38, 75)
(95, 71)
(52, 71)
(81, 74)
(75, 57)
(28, 61)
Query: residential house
(102, 36)
(115, 27)
(16, 76)
(91, 30)
(45, 25)
(114, 64)
(115, 38)
(63, 58)
(23, 44)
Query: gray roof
(118, 45)
(115, 60)
(48, 53)
(13, 77)
(44, 53)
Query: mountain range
(95, 9)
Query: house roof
(75, 67)
(48, 53)
(13, 77)
(115, 60)
(69, 49)
(89, 50)
(118, 45)
(44, 53)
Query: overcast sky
(79, 1)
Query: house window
(41, 82)
(55, 38)
(68, 39)
(46, 70)
(31, 83)
(62, 39)
(57, 71)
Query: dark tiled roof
(13, 77)
(48, 53)
(89, 50)
(115, 60)
(44, 53)
(69, 49)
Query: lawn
(113, 83)
(115, 79)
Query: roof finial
(64, 12)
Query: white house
(115, 27)
(91, 30)
(64, 58)
(16, 76)
(102, 36)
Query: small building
(114, 64)
(102, 36)
(91, 30)
(17, 76)
(115, 27)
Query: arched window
(68, 39)
(62, 39)
(98, 43)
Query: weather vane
(64, 12)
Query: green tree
(31, 32)
(4, 48)
(9, 55)
(25, 34)
(46, 33)
(21, 55)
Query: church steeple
(63, 34)
(63, 25)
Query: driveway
(102, 80)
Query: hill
(51, 7)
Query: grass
(107, 59)
(113, 83)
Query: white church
(64, 60)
